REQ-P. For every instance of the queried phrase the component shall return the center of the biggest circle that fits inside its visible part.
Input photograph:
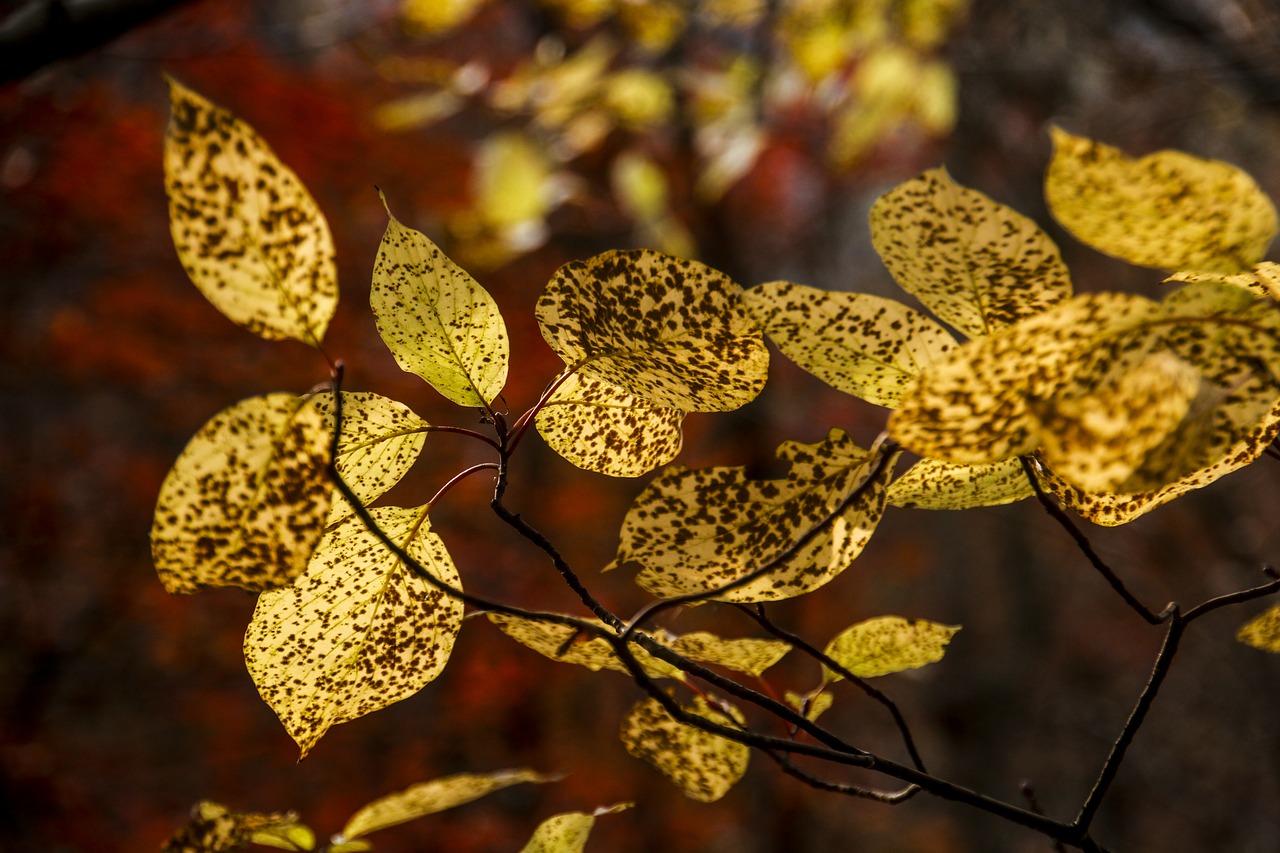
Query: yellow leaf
(417, 110)
(435, 796)
(1262, 632)
(973, 262)
(437, 17)
(887, 644)
(933, 484)
(732, 526)
(245, 502)
(867, 346)
(358, 631)
(600, 427)
(567, 833)
(1263, 280)
(671, 331)
(246, 229)
(513, 181)
(292, 836)
(566, 644)
(640, 99)
(812, 705)
(1168, 210)
(654, 25)
(703, 765)
(213, 828)
(436, 320)
(747, 654)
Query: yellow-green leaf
(358, 631)
(731, 526)
(812, 705)
(1168, 210)
(934, 484)
(703, 765)
(292, 836)
(569, 645)
(887, 644)
(973, 262)
(568, 832)
(671, 331)
(865, 345)
(1263, 631)
(598, 426)
(213, 828)
(435, 796)
(746, 654)
(1261, 281)
(245, 502)
(436, 320)
(246, 229)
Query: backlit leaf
(291, 836)
(567, 833)
(973, 262)
(435, 796)
(245, 502)
(436, 320)
(1262, 280)
(672, 331)
(598, 426)
(867, 346)
(1262, 632)
(358, 631)
(730, 526)
(812, 705)
(246, 229)
(703, 765)
(933, 484)
(565, 643)
(437, 17)
(747, 654)
(213, 828)
(886, 645)
(1167, 210)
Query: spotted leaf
(886, 645)
(567, 833)
(703, 765)
(813, 523)
(358, 631)
(933, 484)
(1261, 281)
(1168, 210)
(1263, 631)
(246, 229)
(864, 345)
(598, 426)
(973, 262)
(670, 331)
(812, 705)
(569, 645)
(213, 828)
(436, 320)
(746, 654)
(245, 502)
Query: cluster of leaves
(1112, 403)
(651, 73)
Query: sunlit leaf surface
(567, 833)
(747, 654)
(569, 645)
(1168, 210)
(1262, 632)
(703, 765)
(812, 705)
(933, 484)
(213, 828)
(888, 644)
(246, 229)
(358, 631)
(245, 502)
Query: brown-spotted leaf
(864, 345)
(436, 320)
(245, 502)
(934, 484)
(812, 705)
(1168, 210)
(703, 765)
(213, 828)
(359, 630)
(745, 654)
(246, 229)
(973, 262)
(888, 644)
(568, 832)
(569, 645)
(1261, 281)
(1262, 631)
(598, 426)
(696, 531)
(671, 331)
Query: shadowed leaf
(933, 484)
(747, 654)
(703, 765)
(567, 833)
(887, 644)
(213, 828)
(1262, 632)
(812, 705)
(566, 644)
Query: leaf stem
(459, 477)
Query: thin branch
(1029, 794)
(818, 783)
(459, 477)
(1233, 598)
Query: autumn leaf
(213, 828)
(670, 331)
(567, 833)
(745, 654)
(436, 320)
(811, 705)
(703, 765)
(567, 644)
(359, 630)
(1168, 210)
(245, 502)
(934, 484)
(1263, 631)
(246, 229)
(887, 644)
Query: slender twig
(890, 797)
(1233, 598)
(1033, 803)
(459, 477)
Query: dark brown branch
(818, 783)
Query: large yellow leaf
(933, 484)
(745, 654)
(598, 426)
(1167, 210)
(973, 262)
(358, 631)
(887, 644)
(245, 502)
(703, 765)
(568, 832)
(565, 643)
(379, 442)
(436, 320)
(730, 526)
(213, 828)
(435, 796)
(246, 229)
(867, 346)
(671, 331)
(1263, 631)
(1262, 280)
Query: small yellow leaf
(436, 320)
(1168, 210)
(513, 181)
(358, 631)
(1263, 280)
(437, 17)
(567, 833)
(213, 828)
(1262, 632)
(747, 654)
(973, 262)
(703, 765)
(867, 346)
(671, 331)
(245, 502)
(435, 796)
(812, 705)
(293, 836)
(887, 644)
(566, 644)
(933, 484)
(246, 229)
